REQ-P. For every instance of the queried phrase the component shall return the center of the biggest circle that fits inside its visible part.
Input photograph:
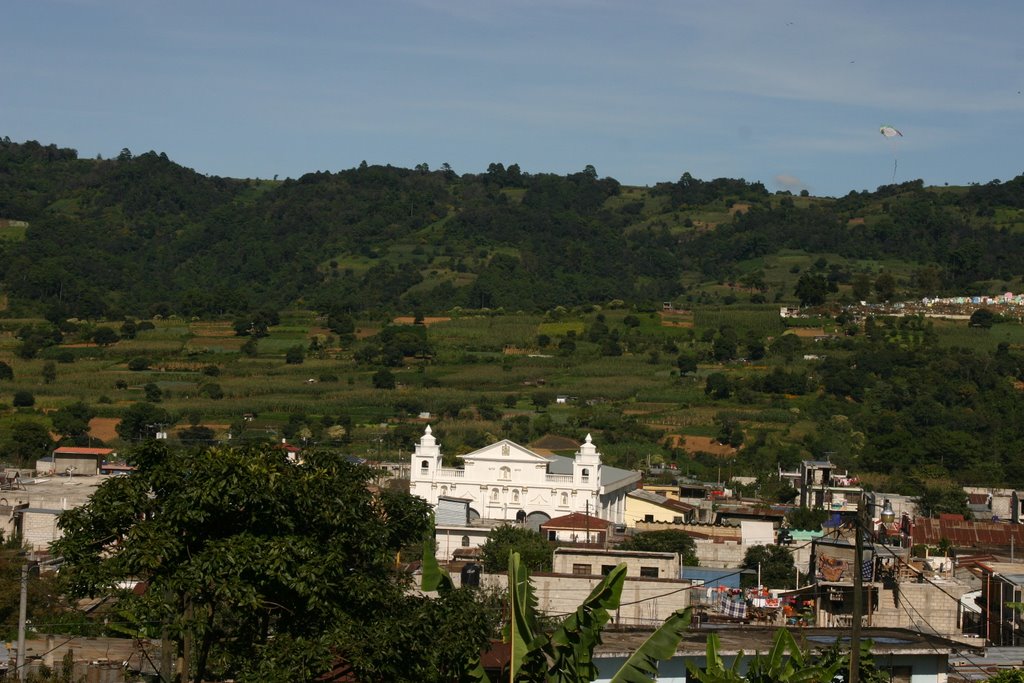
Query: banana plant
(566, 655)
(642, 665)
(715, 670)
(786, 662)
(570, 648)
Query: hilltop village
(388, 424)
(933, 589)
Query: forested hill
(144, 235)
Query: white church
(506, 481)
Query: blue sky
(787, 93)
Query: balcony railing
(450, 473)
(558, 478)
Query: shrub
(24, 399)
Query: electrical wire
(563, 591)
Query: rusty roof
(963, 533)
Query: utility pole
(858, 592)
(22, 614)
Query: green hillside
(142, 235)
(141, 294)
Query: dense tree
(775, 564)
(243, 254)
(717, 385)
(982, 317)
(142, 421)
(26, 441)
(298, 569)
(665, 541)
(787, 346)
(812, 289)
(23, 399)
(806, 518)
(687, 363)
(105, 336)
(383, 379)
(531, 546)
(49, 372)
(72, 420)
(196, 435)
(6, 373)
(885, 286)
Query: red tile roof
(576, 520)
(81, 450)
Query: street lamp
(888, 514)
(885, 518)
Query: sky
(790, 94)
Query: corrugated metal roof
(663, 501)
(966, 533)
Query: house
(821, 485)
(75, 461)
(598, 562)
(667, 490)
(1002, 583)
(899, 592)
(905, 655)
(643, 505)
(457, 535)
(31, 512)
(577, 527)
(1017, 507)
(988, 503)
(506, 481)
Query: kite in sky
(892, 134)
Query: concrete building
(596, 562)
(506, 481)
(644, 505)
(821, 485)
(1002, 583)
(577, 528)
(899, 592)
(31, 510)
(76, 461)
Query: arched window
(515, 496)
(465, 541)
(586, 475)
(425, 465)
(494, 495)
(504, 474)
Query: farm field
(486, 376)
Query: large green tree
(531, 546)
(261, 569)
(774, 563)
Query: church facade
(506, 481)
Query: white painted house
(506, 481)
